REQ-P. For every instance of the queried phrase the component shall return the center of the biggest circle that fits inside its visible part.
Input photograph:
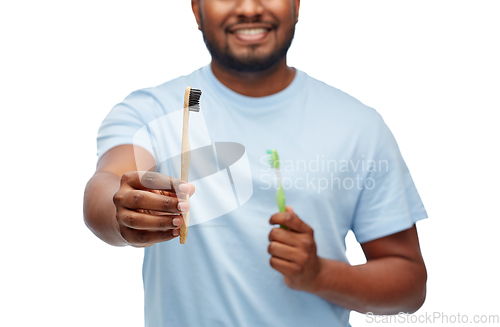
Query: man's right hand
(148, 207)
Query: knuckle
(307, 243)
(130, 221)
(117, 198)
(169, 203)
(125, 178)
(137, 198)
(148, 179)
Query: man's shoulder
(165, 97)
(174, 86)
(338, 101)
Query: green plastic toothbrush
(274, 161)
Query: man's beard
(251, 63)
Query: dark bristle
(194, 100)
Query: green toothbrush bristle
(273, 160)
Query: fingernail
(183, 206)
(184, 188)
(176, 221)
(175, 232)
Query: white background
(431, 68)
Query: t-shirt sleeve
(389, 202)
(126, 123)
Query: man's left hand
(293, 251)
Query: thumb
(289, 209)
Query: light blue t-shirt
(341, 170)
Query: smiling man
(247, 43)
(343, 172)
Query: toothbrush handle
(185, 161)
(280, 199)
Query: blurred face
(247, 35)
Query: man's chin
(246, 64)
(250, 62)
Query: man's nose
(249, 8)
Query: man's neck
(255, 84)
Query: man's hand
(147, 207)
(294, 251)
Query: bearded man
(343, 172)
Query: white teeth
(251, 31)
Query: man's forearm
(386, 285)
(98, 208)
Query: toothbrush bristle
(270, 158)
(194, 100)
(273, 158)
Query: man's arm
(99, 211)
(392, 280)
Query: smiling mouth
(250, 34)
(251, 31)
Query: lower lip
(251, 38)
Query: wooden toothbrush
(191, 103)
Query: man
(343, 171)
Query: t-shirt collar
(240, 100)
